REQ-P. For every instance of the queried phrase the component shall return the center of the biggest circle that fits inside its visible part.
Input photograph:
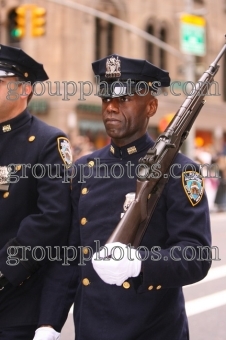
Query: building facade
(73, 39)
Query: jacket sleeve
(185, 257)
(50, 213)
(62, 279)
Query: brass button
(91, 164)
(31, 138)
(6, 194)
(84, 191)
(18, 167)
(85, 282)
(150, 287)
(126, 285)
(85, 250)
(83, 221)
(158, 287)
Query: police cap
(118, 76)
(15, 62)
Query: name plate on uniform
(4, 178)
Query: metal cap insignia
(113, 67)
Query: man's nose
(113, 106)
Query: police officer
(129, 295)
(34, 201)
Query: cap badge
(193, 186)
(113, 68)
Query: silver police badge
(193, 186)
(64, 148)
(130, 197)
(113, 67)
(5, 172)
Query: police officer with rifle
(128, 275)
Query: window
(105, 31)
(155, 54)
(150, 46)
(162, 53)
(104, 38)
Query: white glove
(117, 263)
(46, 333)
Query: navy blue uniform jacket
(34, 212)
(150, 306)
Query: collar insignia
(131, 150)
(113, 67)
(112, 149)
(193, 186)
(6, 128)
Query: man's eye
(124, 99)
(106, 100)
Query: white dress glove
(116, 263)
(46, 333)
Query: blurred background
(67, 36)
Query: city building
(73, 38)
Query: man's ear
(26, 90)
(152, 107)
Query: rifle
(133, 224)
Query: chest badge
(130, 197)
(64, 148)
(193, 186)
(5, 172)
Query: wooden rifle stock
(133, 224)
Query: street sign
(193, 34)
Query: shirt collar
(14, 123)
(132, 148)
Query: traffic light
(16, 24)
(38, 21)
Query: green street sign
(193, 35)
